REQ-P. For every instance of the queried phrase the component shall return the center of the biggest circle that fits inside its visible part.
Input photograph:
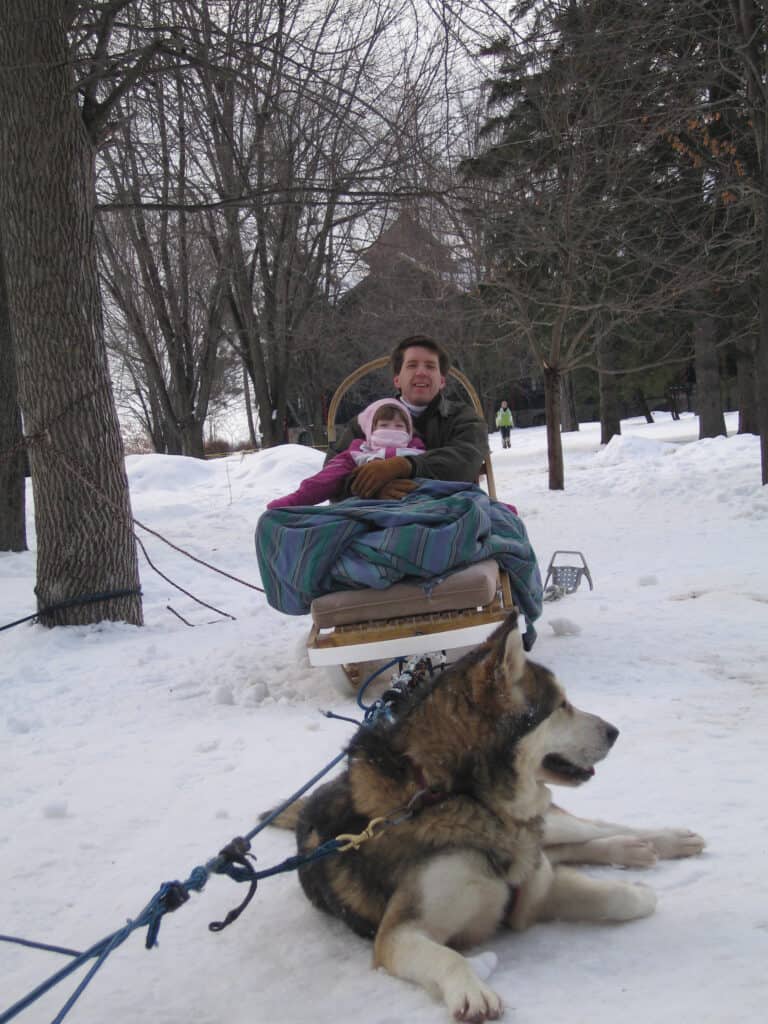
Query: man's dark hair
(420, 341)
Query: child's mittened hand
(280, 502)
(396, 490)
(367, 480)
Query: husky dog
(470, 841)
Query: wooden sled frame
(412, 634)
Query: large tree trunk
(192, 442)
(13, 528)
(554, 438)
(249, 407)
(709, 403)
(642, 401)
(748, 404)
(568, 403)
(86, 549)
(750, 46)
(761, 353)
(610, 415)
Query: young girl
(388, 432)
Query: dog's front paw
(624, 901)
(639, 901)
(468, 999)
(670, 843)
(627, 851)
(483, 964)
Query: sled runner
(461, 609)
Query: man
(456, 438)
(504, 423)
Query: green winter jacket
(456, 439)
(504, 418)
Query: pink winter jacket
(325, 484)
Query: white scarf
(414, 410)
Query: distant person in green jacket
(505, 423)
(455, 437)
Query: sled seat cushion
(472, 587)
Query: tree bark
(674, 407)
(13, 528)
(761, 353)
(86, 549)
(249, 407)
(708, 399)
(568, 403)
(642, 401)
(610, 416)
(749, 39)
(554, 438)
(745, 376)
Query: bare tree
(610, 418)
(604, 219)
(303, 135)
(709, 402)
(86, 558)
(747, 385)
(167, 295)
(750, 46)
(292, 146)
(13, 528)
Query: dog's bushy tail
(287, 818)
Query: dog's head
(558, 742)
(492, 721)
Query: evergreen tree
(607, 222)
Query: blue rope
(18, 622)
(44, 946)
(292, 799)
(171, 895)
(371, 711)
(73, 602)
(369, 708)
(100, 950)
(299, 859)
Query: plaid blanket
(306, 551)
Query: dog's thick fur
(483, 847)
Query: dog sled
(351, 627)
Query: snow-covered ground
(128, 756)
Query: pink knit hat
(366, 417)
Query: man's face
(419, 379)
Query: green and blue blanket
(307, 551)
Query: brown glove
(367, 480)
(396, 490)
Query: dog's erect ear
(512, 653)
